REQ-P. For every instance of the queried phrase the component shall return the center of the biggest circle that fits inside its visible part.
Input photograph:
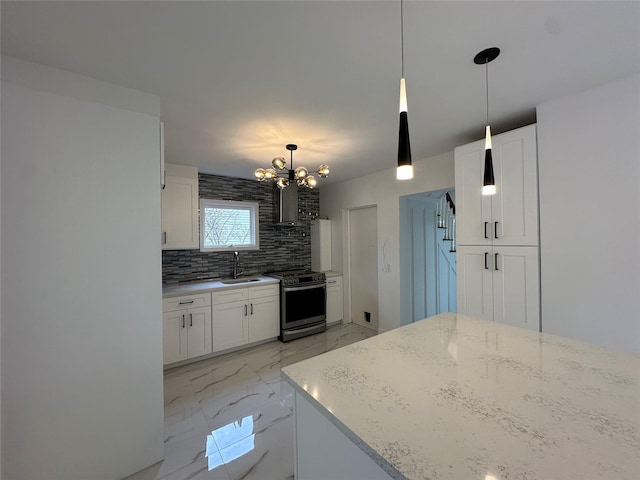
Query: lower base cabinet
(201, 324)
(230, 320)
(334, 299)
(186, 327)
(245, 315)
(500, 284)
(264, 319)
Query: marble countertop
(176, 290)
(452, 397)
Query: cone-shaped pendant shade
(489, 184)
(405, 169)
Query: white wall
(81, 284)
(589, 163)
(384, 191)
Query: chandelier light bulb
(282, 183)
(259, 173)
(310, 181)
(301, 172)
(270, 174)
(323, 171)
(279, 163)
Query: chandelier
(286, 176)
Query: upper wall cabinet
(180, 208)
(510, 217)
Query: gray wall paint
(81, 288)
(281, 247)
(589, 164)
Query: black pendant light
(489, 183)
(405, 169)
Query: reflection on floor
(231, 417)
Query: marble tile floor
(231, 417)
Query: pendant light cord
(486, 78)
(402, 37)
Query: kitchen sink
(231, 281)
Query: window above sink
(228, 225)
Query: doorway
(363, 266)
(427, 261)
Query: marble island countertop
(179, 289)
(452, 397)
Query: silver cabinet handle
(164, 238)
(182, 321)
(495, 230)
(252, 309)
(332, 281)
(486, 254)
(495, 261)
(191, 320)
(485, 229)
(185, 303)
(245, 309)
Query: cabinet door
(180, 213)
(473, 210)
(264, 317)
(334, 299)
(514, 207)
(516, 299)
(198, 331)
(174, 336)
(474, 278)
(230, 325)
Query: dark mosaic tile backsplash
(281, 247)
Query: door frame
(346, 261)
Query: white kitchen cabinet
(230, 326)
(186, 327)
(180, 208)
(264, 312)
(510, 217)
(497, 235)
(321, 245)
(245, 315)
(500, 283)
(335, 299)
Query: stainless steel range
(303, 300)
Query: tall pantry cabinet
(498, 251)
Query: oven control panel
(305, 279)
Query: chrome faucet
(236, 265)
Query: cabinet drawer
(186, 301)
(264, 291)
(230, 296)
(334, 281)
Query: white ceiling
(238, 79)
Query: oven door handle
(306, 287)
